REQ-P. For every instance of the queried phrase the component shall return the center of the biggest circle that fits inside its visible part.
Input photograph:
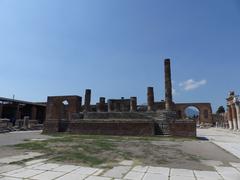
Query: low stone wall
(115, 127)
(184, 128)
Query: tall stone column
(133, 104)
(34, 113)
(168, 84)
(238, 114)
(230, 121)
(18, 113)
(101, 105)
(234, 117)
(150, 95)
(87, 102)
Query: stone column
(238, 114)
(101, 105)
(230, 121)
(168, 84)
(234, 117)
(150, 95)
(34, 113)
(18, 113)
(87, 103)
(110, 106)
(133, 104)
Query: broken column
(101, 104)
(133, 104)
(150, 95)
(168, 85)
(87, 103)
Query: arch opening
(192, 113)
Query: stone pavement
(17, 137)
(40, 169)
(227, 139)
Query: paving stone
(237, 165)
(10, 173)
(13, 159)
(211, 163)
(210, 178)
(207, 175)
(97, 178)
(140, 168)
(86, 171)
(150, 176)
(10, 178)
(73, 176)
(27, 173)
(159, 170)
(34, 165)
(100, 171)
(29, 163)
(7, 168)
(66, 168)
(181, 178)
(134, 175)
(48, 175)
(47, 166)
(117, 172)
(182, 172)
(228, 173)
(126, 163)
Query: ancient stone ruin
(123, 116)
(233, 111)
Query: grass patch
(93, 150)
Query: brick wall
(119, 127)
(184, 128)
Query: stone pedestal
(133, 104)
(168, 85)
(26, 122)
(150, 95)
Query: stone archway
(192, 113)
(205, 111)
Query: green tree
(221, 110)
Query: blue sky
(117, 48)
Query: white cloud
(191, 84)
(174, 91)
